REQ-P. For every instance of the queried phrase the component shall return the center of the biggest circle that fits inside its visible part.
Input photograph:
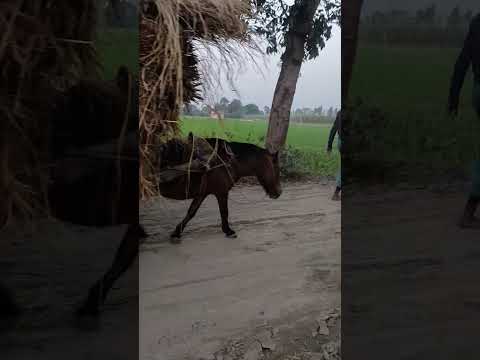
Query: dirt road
(405, 242)
(277, 284)
(274, 291)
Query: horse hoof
(175, 239)
(231, 236)
(86, 319)
(336, 197)
(92, 303)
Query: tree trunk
(350, 21)
(292, 58)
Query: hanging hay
(169, 74)
(45, 46)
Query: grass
(118, 47)
(305, 152)
(409, 87)
(402, 78)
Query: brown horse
(70, 201)
(86, 188)
(236, 160)
(92, 201)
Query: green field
(306, 144)
(406, 79)
(409, 87)
(117, 47)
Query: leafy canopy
(274, 20)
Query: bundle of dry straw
(45, 46)
(169, 74)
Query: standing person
(470, 55)
(336, 129)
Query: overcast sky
(318, 85)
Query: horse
(236, 160)
(87, 188)
(92, 200)
(106, 194)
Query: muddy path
(50, 266)
(405, 242)
(273, 292)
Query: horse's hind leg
(192, 210)
(124, 257)
(223, 206)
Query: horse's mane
(177, 151)
(240, 150)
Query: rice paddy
(306, 143)
(410, 86)
(117, 47)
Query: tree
(468, 16)
(350, 22)
(378, 18)
(251, 109)
(427, 16)
(266, 110)
(454, 19)
(301, 30)
(430, 14)
(330, 113)
(205, 110)
(318, 111)
(235, 107)
(192, 109)
(222, 105)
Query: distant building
(219, 115)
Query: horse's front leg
(124, 257)
(192, 210)
(223, 206)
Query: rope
(121, 141)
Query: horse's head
(268, 174)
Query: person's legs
(468, 218)
(338, 188)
